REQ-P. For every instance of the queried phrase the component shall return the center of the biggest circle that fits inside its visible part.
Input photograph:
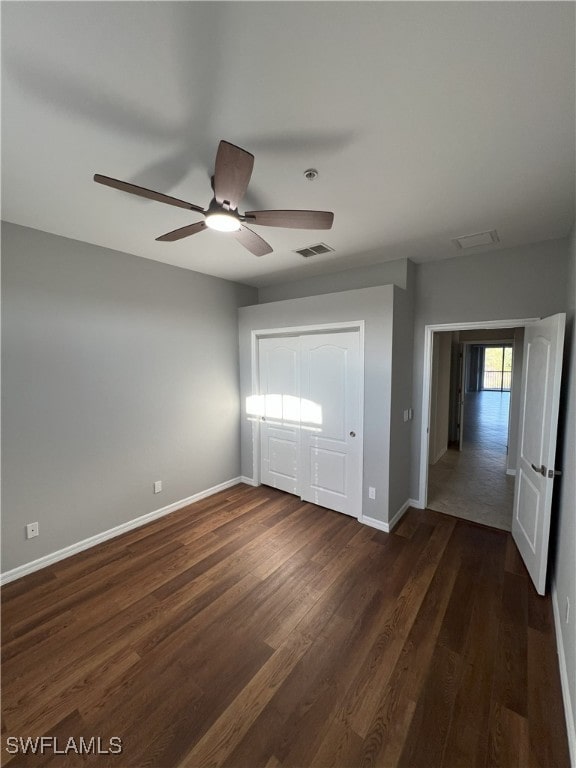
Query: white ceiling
(426, 121)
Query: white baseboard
(569, 711)
(387, 527)
(373, 523)
(416, 503)
(61, 554)
(248, 481)
(396, 518)
(511, 472)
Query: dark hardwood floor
(252, 629)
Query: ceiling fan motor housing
(224, 207)
(221, 217)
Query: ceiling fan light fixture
(232, 172)
(223, 222)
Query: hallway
(472, 483)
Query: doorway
(474, 411)
(535, 433)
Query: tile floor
(473, 483)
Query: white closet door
(331, 421)
(279, 364)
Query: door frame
(427, 384)
(301, 330)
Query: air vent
(314, 250)
(478, 240)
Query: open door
(539, 399)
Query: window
(497, 369)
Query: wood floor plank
(426, 737)
(304, 700)
(508, 745)
(511, 673)
(374, 647)
(545, 714)
(466, 742)
(226, 733)
(386, 735)
(295, 716)
(409, 523)
(377, 669)
(251, 629)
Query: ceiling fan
(232, 173)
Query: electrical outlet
(567, 617)
(32, 530)
(410, 413)
(407, 415)
(371, 493)
(157, 486)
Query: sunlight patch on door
(285, 409)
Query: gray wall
(440, 396)
(455, 383)
(117, 371)
(517, 283)
(390, 272)
(375, 306)
(401, 431)
(514, 418)
(564, 577)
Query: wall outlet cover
(32, 530)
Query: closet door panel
(331, 441)
(279, 374)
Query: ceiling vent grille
(314, 250)
(477, 240)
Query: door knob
(352, 434)
(550, 473)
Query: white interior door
(331, 436)
(539, 399)
(279, 371)
(311, 424)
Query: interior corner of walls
(373, 522)
(410, 275)
(387, 527)
(398, 515)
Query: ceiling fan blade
(178, 234)
(253, 242)
(292, 219)
(232, 173)
(124, 186)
